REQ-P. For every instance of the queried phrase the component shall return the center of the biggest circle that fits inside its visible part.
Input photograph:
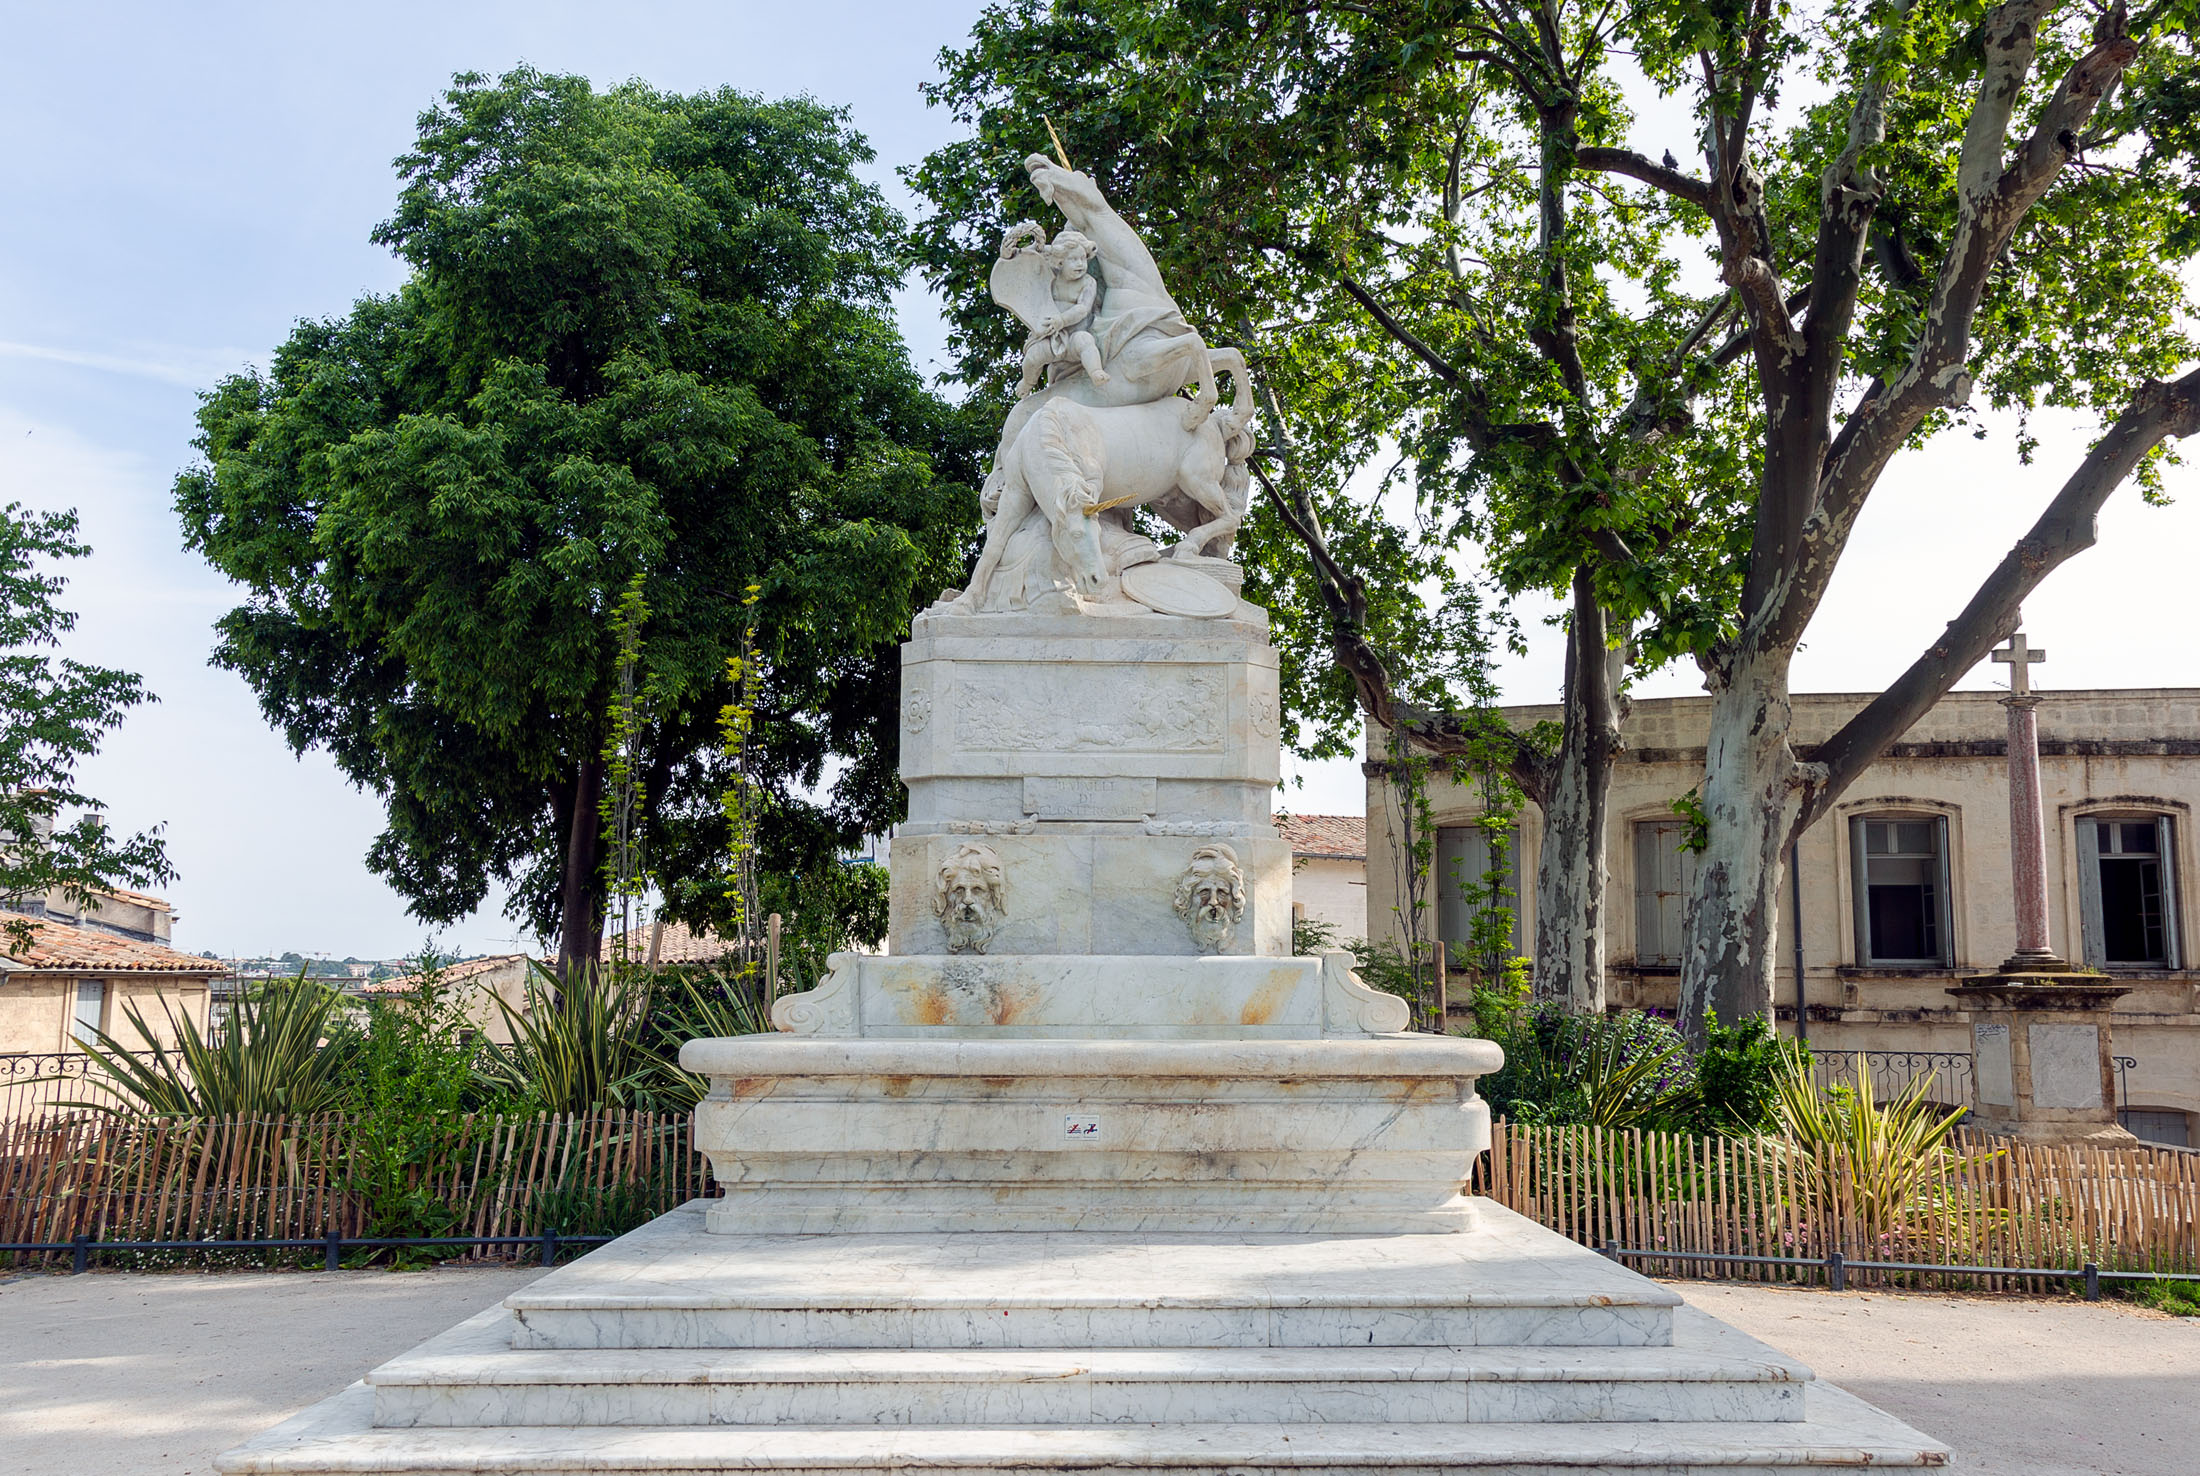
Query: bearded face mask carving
(970, 898)
(1210, 897)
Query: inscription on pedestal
(1116, 707)
(1997, 1083)
(2066, 1065)
(1089, 799)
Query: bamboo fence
(1981, 1203)
(300, 1178)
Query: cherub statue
(1064, 335)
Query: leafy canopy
(54, 711)
(646, 337)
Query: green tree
(1380, 203)
(1423, 220)
(54, 712)
(1990, 203)
(645, 343)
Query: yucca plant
(1887, 1164)
(284, 1050)
(578, 1046)
(702, 1006)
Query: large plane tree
(644, 343)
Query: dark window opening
(1903, 887)
(2129, 898)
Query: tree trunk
(1571, 875)
(580, 893)
(1751, 801)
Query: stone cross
(2027, 835)
(2018, 657)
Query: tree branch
(2156, 413)
(1993, 202)
(1626, 161)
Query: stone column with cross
(2027, 833)
(2042, 1062)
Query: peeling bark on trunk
(580, 897)
(1574, 795)
(1750, 803)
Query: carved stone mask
(970, 898)
(1210, 897)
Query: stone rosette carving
(970, 897)
(917, 711)
(1210, 897)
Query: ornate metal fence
(1893, 1072)
(34, 1086)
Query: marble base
(1508, 1352)
(816, 1134)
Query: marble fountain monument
(1087, 1172)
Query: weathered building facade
(1905, 888)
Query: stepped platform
(674, 1350)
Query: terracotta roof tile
(58, 946)
(680, 944)
(1327, 837)
(450, 974)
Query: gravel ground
(151, 1375)
(2016, 1386)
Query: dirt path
(2017, 1386)
(154, 1375)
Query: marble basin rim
(1403, 1055)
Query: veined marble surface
(472, 1377)
(978, 997)
(1260, 1354)
(816, 1134)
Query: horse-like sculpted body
(1077, 457)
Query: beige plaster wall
(2133, 750)
(1333, 891)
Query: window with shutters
(1901, 890)
(1462, 883)
(90, 1014)
(2127, 887)
(1665, 874)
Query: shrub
(285, 1049)
(1631, 1069)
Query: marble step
(672, 1284)
(472, 1377)
(1839, 1433)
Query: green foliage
(833, 906)
(2177, 1298)
(1890, 1160)
(1738, 1074)
(1631, 1069)
(285, 1049)
(53, 714)
(576, 1046)
(411, 1080)
(1312, 937)
(645, 344)
(698, 1004)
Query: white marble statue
(1109, 430)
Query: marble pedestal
(675, 1351)
(1092, 756)
(2042, 1060)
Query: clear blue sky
(183, 182)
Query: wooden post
(771, 958)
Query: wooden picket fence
(300, 1178)
(1985, 1204)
